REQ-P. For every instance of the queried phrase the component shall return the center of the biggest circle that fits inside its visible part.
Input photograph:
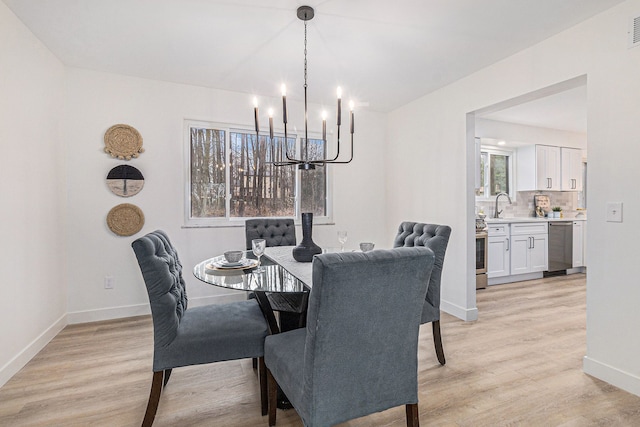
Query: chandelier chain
(305, 54)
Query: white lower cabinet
(539, 253)
(520, 255)
(517, 251)
(529, 253)
(578, 244)
(498, 251)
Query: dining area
(333, 334)
(503, 368)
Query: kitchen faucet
(497, 212)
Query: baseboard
(110, 313)
(515, 278)
(466, 314)
(614, 376)
(22, 358)
(88, 316)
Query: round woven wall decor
(125, 219)
(125, 181)
(123, 142)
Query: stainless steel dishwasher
(560, 246)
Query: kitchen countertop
(529, 219)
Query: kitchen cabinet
(498, 251)
(539, 168)
(578, 244)
(529, 247)
(571, 169)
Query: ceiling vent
(634, 32)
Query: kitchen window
(231, 177)
(496, 173)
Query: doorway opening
(555, 116)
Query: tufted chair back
(436, 238)
(349, 362)
(276, 231)
(162, 273)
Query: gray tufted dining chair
(279, 232)
(194, 336)
(435, 237)
(276, 231)
(321, 367)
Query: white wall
(513, 132)
(95, 101)
(433, 165)
(32, 188)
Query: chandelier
(305, 13)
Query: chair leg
(437, 340)
(167, 374)
(154, 398)
(413, 418)
(272, 386)
(262, 376)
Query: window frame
(511, 168)
(227, 220)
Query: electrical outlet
(614, 211)
(109, 282)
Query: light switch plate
(614, 211)
(109, 282)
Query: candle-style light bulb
(324, 125)
(351, 105)
(339, 120)
(271, 123)
(255, 114)
(284, 103)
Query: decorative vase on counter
(305, 251)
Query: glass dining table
(282, 275)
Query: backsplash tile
(523, 206)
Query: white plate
(223, 265)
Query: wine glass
(258, 246)
(342, 238)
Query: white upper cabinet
(571, 169)
(538, 168)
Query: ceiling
(383, 53)
(566, 110)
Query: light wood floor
(519, 364)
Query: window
(232, 176)
(495, 172)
